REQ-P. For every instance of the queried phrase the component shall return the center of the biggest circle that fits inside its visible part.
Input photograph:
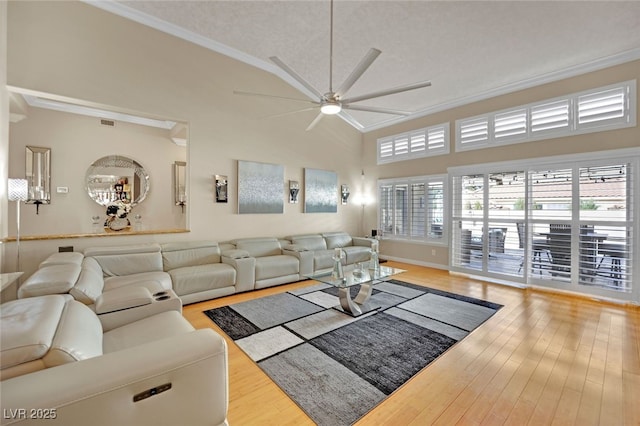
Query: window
(419, 143)
(605, 108)
(413, 208)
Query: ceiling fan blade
(284, 114)
(315, 121)
(264, 95)
(375, 109)
(357, 72)
(388, 92)
(295, 76)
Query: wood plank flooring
(543, 359)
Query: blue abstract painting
(320, 191)
(260, 188)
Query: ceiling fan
(333, 102)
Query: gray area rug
(336, 367)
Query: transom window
(418, 143)
(604, 108)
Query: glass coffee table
(366, 279)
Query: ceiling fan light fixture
(331, 108)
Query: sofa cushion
(166, 324)
(276, 266)
(260, 247)
(28, 327)
(62, 259)
(78, 336)
(357, 254)
(127, 260)
(182, 254)
(90, 283)
(194, 279)
(154, 281)
(55, 279)
(312, 242)
(337, 239)
(322, 259)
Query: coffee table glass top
(353, 277)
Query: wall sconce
(180, 183)
(344, 191)
(222, 188)
(38, 173)
(18, 191)
(294, 190)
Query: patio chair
(538, 246)
(560, 248)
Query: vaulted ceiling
(469, 50)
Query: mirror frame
(38, 174)
(118, 161)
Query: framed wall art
(320, 191)
(260, 188)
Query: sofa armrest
(122, 298)
(304, 256)
(245, 267)
(361, 241)
(101, 390)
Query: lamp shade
(18, 190)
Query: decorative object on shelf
(115, 177)
(294, 190)
(17, 191)
(117, 212)
(137, 222)
(38, 173)
(374, 261)
(260, 188)
(95, 222)
(337, 271)
(320, 189)
(180, 183)
(344, 192)
(222, 189)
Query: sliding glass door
(567, 226)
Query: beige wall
(75, 50)
(76, 142)
(625, 138)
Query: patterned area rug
(336, 367)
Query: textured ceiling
(467, 49)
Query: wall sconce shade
(294, 190)
(344, 191)
(18, 189)
(38, 173)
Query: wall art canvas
(260, 188)
(320, 191)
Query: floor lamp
(18, 191)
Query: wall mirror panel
(116, 177)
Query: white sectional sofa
(59, 367)
(136, 278)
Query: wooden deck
(543, 359)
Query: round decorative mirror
(114, 178)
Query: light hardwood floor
(543, 359)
